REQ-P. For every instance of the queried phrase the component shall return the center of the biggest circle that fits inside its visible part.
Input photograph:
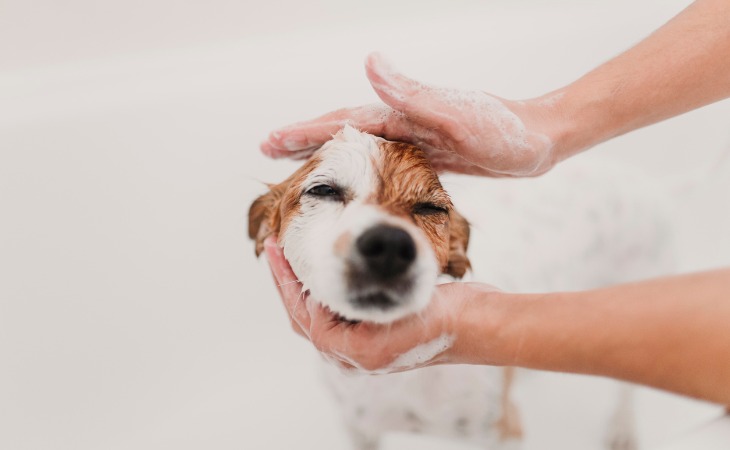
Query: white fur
(422, 354)
(310, 239)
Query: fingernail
(276, 258)
(295, 142)
(273, 251)
(384, 67)
(386, 80)
(274, 139)
(284, 139)
(274, 153)
(271, 244)
(380, 60)
(266, 148)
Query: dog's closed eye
(429, 209)
(325, 191)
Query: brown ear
(458, 242)
(263, 216)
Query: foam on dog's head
(355, 182)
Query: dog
(369, 230)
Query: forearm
(682, 66)
(671, 333)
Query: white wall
(132, 311)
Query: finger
(287, 281)
(289, 286)
(273, 152)
(337, 362)
(326, 326)
(402, 93)
(294, 324)
(391, 86)
(429, 106)
(297, 328)
(303, 136)
(300, 140)
(330, 333)
(309, 135)
(448, 161)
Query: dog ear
(264, 216)
(458, 262)
(265, 213)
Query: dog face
(366, 227)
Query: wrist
(506, 329)
(486, 329)
(576, 118)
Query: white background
(133, 314)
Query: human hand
(462, 131)
(439, 334)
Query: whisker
(389, 326)
(299, 300)
(289, 282)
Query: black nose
(387, 250)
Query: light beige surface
(132, 311)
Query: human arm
(682, 66)
(669, 333)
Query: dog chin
(323, 254)
(357, 298)
(377, 306)
(370, 302)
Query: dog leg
(622, 428)
(362, 441)
(509, 424)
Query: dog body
(451, 401)
(581, 227)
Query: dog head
(366, 226)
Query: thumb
(395, 89)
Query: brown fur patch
(458, 262)
(509, 423)
(406, 180)
(271, 213)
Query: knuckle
(368, 365)
(317, 340)
(344, 113)
(372, 364)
